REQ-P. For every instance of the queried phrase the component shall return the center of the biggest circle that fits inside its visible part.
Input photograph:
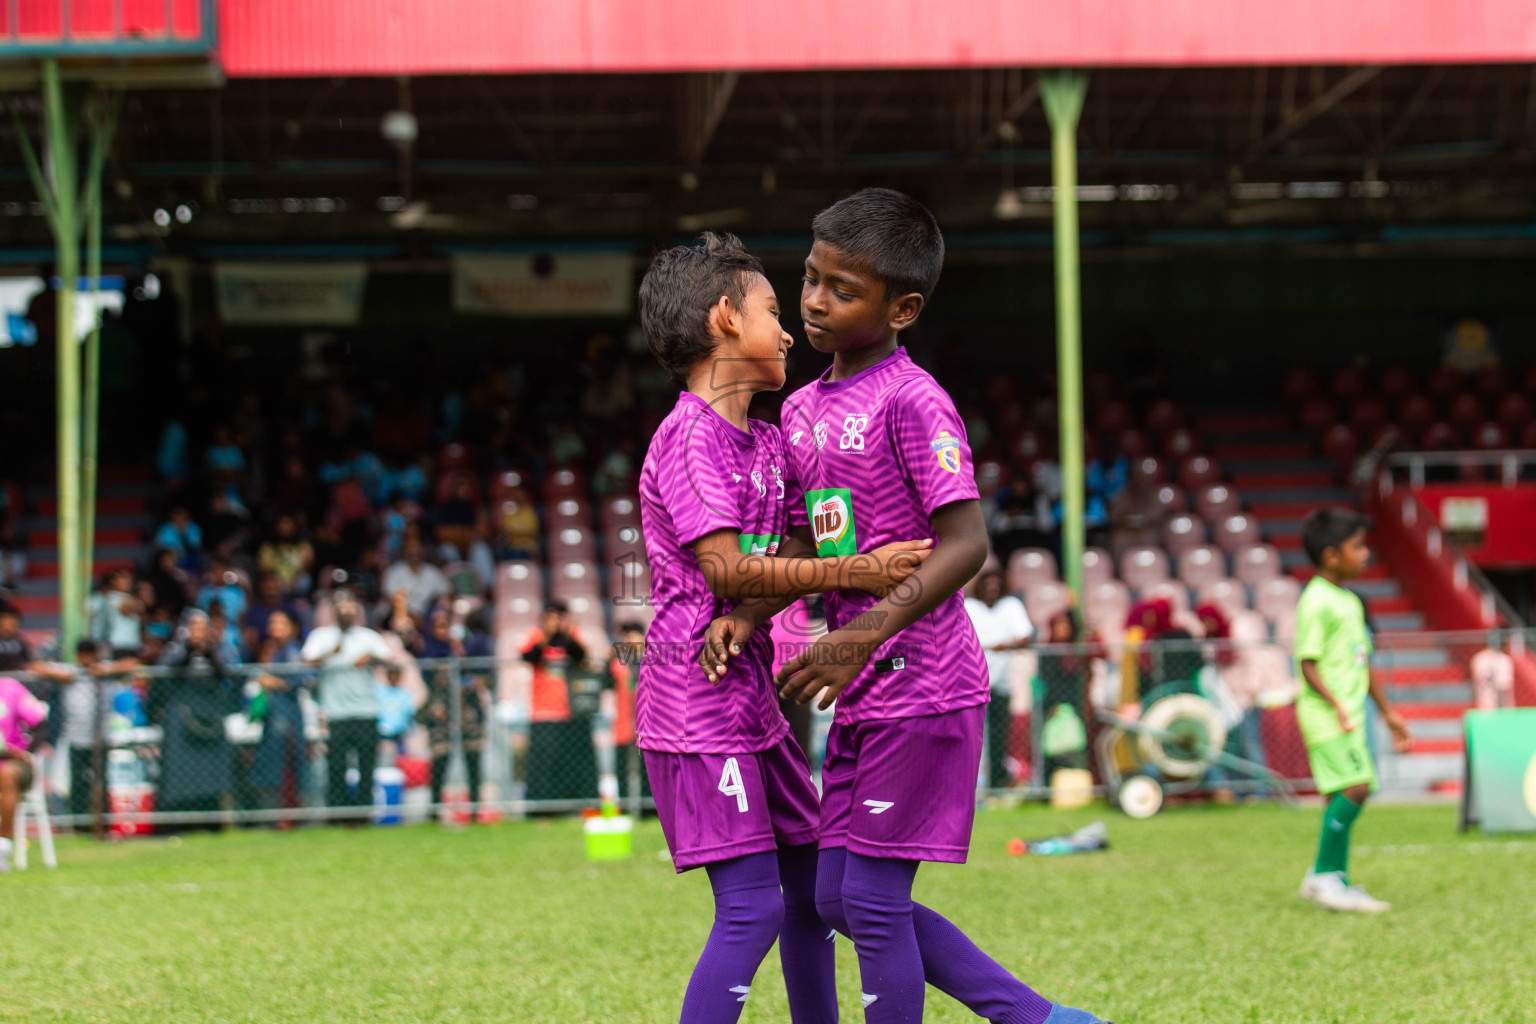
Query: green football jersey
(1330, 630)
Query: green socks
(1333, 848)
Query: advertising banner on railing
(1491, 522)
(1501, 770)
(291, 294)
(546, 284)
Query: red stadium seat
(571, 544)
(1276, 597)
(1442, 383)
(1490, 436)
(625, 542)
(1172, 591)
(591, 626)
(1528, 381)
(629, 582)
(1043, 600)
(1348, 382)
(1202, 564)
(1009, 418)
(1216, 502)
(1528, 438)
(1515, 411)
(991, 473)
(1198, 472)
(1097, 567)
(1316, 414)
(1368, 414)
(1227, 594)
(455, 457)
(1148, 467)
(1172, 498)
(1494, 382)
(1416, 413)
(1396, 383)
(448, 481)
(1163, 415)
(1142, 567)
(618, 510)
(570, 579)
(1253, 565)
(1236, 532)
(1105, 606)
(1132, 443)
(565, 483)
(1465, 412)
(570, 512)
(1027, 447)
(1029, 567)
(1440, 437)
(1113, 418)
(1298, 384)
(1183, 532)
(519, 579)
(1340, 444)
(1000, 389)
(1179, 444)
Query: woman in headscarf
(278, 769)
(1147, 620)
(189, 703)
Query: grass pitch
(1191, 917)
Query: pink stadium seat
(619, 510)
(1277, 596)
(1490, 436)
(1172, 591)
(572, 579)
(572, 543)
(1097, 566)
(1349, 382)
(1148, 467)
(1284, 625)
(1465, 412)
(1316, 414)
(1396, 383)
(1416, 413)
(1113, 418)
(1163, 415)
(1142, 567)
(1044, 600)
(1368, 414)
(1227, 594)
(1249, 628)
(1183, 532)
(570, 512)
(591, 627)
(629, 581)
(1029, 567)
(620, 612)
(1340, 444)
(506, 484)
(1179, 444)
(1171, 498)
(564, 483)
(1298, 384)
(1106, 605)
(1515, 411)
(1198, 472)
(1128, 538)
(1200, 565)
(628, 541)
(1236, 532)
(1216, 502)
(519, 578)
(1253, 565)
(1133, 443)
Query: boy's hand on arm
(1402, 736)
(1313, 679)
(725, 636)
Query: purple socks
(806, 949)
(877, 902)
(748, 912)
(950, 962)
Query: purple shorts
(717, 806)
(903, 788)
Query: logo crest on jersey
(852, 439)
(947, 448)
(757, 481)
(795, 437)
(830, 510)
(819, 432)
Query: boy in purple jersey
(733, 790)
(876, 451)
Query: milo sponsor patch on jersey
(831, 513)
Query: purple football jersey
(869, 460)
(702, 474)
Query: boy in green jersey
(1333, 651)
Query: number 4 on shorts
(730, 784)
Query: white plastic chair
(36, 804)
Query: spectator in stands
(267, 600)
(20, 712)
(278, 769)
(13, 551)
(422, 582)
(1493, 677)
(1023, 519)
(189, 704)
(617, 470)
(395, 521)
(225, 526)
(451, 699)
(557, 744)
(182, 536)
(171, 583)
(15, 652)
(1003, 626)
(623, 670)
(1137, 510)
(461, 529)
(89, 688)
(117, 616)
(347, 653)
(397, 708)
(225, 460)
(223, 584)
(1148, 620)
(288, 556)
(519, 533)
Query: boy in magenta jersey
(877, 451)
(733, 790)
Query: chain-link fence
(457, 740)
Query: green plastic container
(610, 838)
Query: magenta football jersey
(703, 474)
(869, 460)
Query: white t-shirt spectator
(1004, 623)
(422, 585)
(87, 702)
(346, 691)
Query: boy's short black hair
(1326, 528)
(681, 287)
(890, 234)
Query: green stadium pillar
(1061, 93)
